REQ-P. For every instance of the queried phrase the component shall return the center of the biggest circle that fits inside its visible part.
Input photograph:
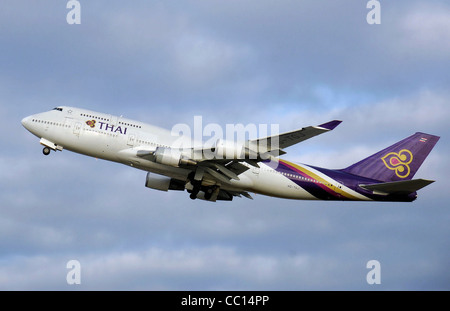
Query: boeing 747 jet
(228, 169)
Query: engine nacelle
(228, 150)
(172, 157)
(168, 156)
(163, 183)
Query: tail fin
(397, 162)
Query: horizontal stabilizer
(406, 186)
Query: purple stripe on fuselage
(316, 188)
(350, 181)
(311, 185)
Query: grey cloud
(293, 63)
(149, 50)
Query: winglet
(330, 125)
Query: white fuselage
(119, 139)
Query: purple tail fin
(397, 162)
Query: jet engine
(163, 183)
(224, 149)
(172, 157)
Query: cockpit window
(57, 108)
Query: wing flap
(217, 175)
(230, 174)
(237, 167)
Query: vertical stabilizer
(397, 162)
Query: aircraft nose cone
(26, 122)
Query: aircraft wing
(222, 171)
(225, 170)
(284, 140)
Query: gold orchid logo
(91, 123)
(399, 162)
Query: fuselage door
(337, 187)
(255, 171)
(131, 140)
(77, 128)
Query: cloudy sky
(291, 62)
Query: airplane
(228, 169)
